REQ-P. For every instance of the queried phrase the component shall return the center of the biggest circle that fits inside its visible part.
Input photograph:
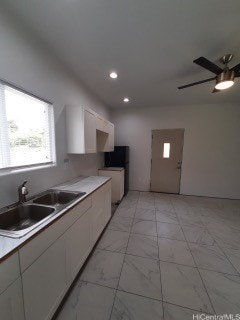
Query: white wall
(28, 64)
(211, 153)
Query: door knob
(178, 167)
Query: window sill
(31, 168)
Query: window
(26, 130)
(166, 150)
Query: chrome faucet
(22, 192)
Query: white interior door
(167, 146)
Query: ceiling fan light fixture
(224, 85)
(224, 80)
(224, 77)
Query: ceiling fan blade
(196, 83)
(215, 90)
(205, 63)
(236, 69)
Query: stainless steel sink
(16, 222)
(56, 197)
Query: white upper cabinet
(88, 132)
(111, 137)
(81, 130)
(105, 137)
(101, 124)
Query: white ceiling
(150, 43)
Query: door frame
(180, 178)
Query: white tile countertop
(81, 184)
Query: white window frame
(4, 143)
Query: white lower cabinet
(117, 175)
(11, 302)
(9, 271)
(79, 243)
(50, 263)
(101, 210)
(98, 223)
(46, 281)
(107, 211)
(97, 214)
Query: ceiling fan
(224, 77)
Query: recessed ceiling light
(113, 75)
(126, 100)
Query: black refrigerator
(119, 158)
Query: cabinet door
(38, 245)
(79, 243)
(102, 141)
(111, 137)
(107, 203)
(45, 282)
(105, 140)
(9, 271)
(90, 132)
(75, 129)
(102, 124)
(97, 214)
(11, 302)
(98, 224)
(122, 184)
(101, 210)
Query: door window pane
(166, 150)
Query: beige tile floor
(162, 257)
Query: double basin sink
(21, 219)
